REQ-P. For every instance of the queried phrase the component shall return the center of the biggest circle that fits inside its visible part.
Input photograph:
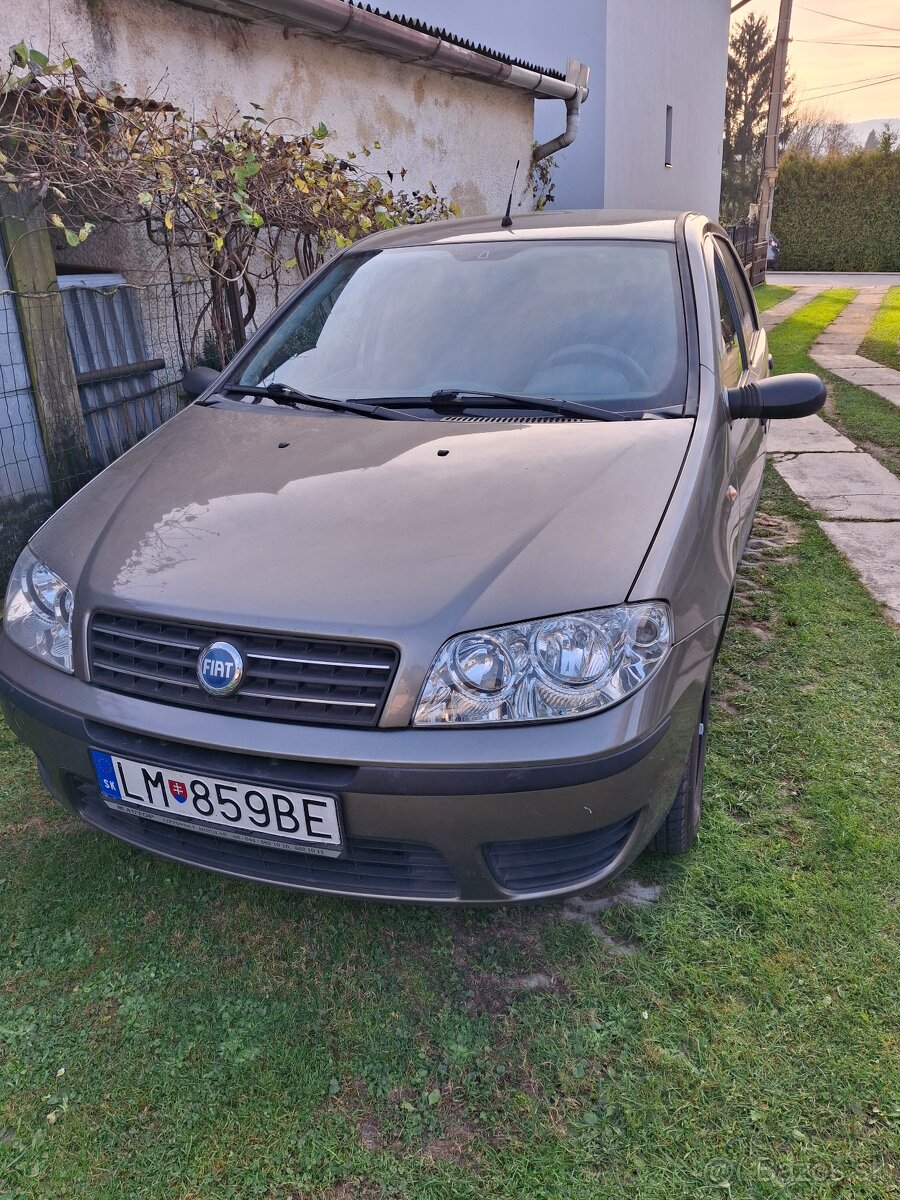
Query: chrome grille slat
(154, 675)
(143, 637)
(323, 662)
(310, 699)
(108, 646)
(288, 678)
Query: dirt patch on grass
(488, 992)
(457, 1142)
(37, 827)
(450, 1137)
(350, 1189)
(499, 956)
(493, 992)
(586, 910)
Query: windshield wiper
(548, 403)
(280, 393)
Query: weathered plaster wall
(464, 135)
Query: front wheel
(678, 831)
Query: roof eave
(340, 21)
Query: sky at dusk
(865, 53)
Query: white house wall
(659, 53)
(464, 135)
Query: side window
(740, 289)
(731, 362)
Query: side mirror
(778, 396)
(197, 380)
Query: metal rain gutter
(348, 23)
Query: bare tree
(819, 132)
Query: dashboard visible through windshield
(593, 322)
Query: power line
(849, 20)
(867, 45)
(847, 82)
(858, 88)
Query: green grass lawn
(769, 294)
(170, 1035)
(882, 343)
(869, 420)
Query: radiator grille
(309, 680)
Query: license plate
(243, 812)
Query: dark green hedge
(839, 213)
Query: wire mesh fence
(86, 371)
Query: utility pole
(773, 126)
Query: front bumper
(450, 815)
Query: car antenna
(507, 219)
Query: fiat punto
(420, 598)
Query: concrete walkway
(834, 279)
(860, 497)
(786, 308)
(836, 350)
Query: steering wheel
(631, 371)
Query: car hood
(404, 531)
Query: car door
(744, 360)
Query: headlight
(38, 612)
(545, 670)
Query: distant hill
(861, 128)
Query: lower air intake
(548, 864)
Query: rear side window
(740, 290)
(730, 359)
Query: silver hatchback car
(421, 597)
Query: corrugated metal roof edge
(454, 39)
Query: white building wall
(659, 53)
(464, 135)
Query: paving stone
(834, 360)
(866, 378)
(890, 391)
(844, 485)
(835, 279)
(873, 550)
(805, 434)
(786, 308)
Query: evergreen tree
(871, 141)
(751, 59)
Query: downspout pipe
(569, 134)
(578, 74)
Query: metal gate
(121, 394)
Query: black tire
(678, 831)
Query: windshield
(598, 322)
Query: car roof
(535, 226)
